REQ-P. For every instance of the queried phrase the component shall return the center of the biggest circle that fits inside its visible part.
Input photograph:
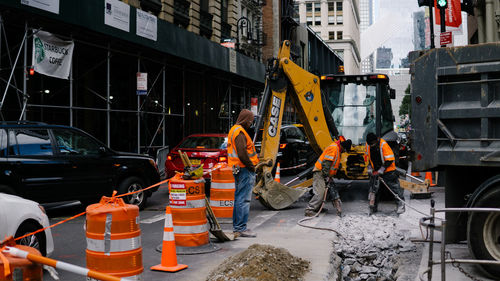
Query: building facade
(193, 84)
(337, 22)
(367, 17)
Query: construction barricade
(187, 200)
(222, 189)
(114, 238)
(13, 268)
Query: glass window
(331, 20)
(331, 35)
(308, 7)
(353, 109)
(330, 6)
(339, 6)
(339, 35)
(3, 143)
(30, 142)
(207, 142)
(317, 21)
(75, 143)
(317, 7)
(340, 20)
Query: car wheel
(7, 189)
(483, 232)
(36, 241)
(132, 184)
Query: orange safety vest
(386, 154)
(331, 153)
(232, 155)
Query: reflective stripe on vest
(331, 153)
(389, 155)
(232, 154)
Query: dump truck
(455, 129)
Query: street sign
(445, 38)
(142, 83)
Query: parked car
(50, 163)
(19, 216)
(202, 149)
(295, 152)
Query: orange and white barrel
(187, 200)
(114, 238)
(20, 267)
(222, 189)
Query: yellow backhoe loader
(347, 105)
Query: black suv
(49, 163)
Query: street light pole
(242, 23)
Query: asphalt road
(278, 228)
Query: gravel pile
(261, 263)
(372, 247)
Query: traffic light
(425, 3)
(442, 4)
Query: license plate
(195, 161)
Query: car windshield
(208, 142)
(353, 110)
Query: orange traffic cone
(277, 176)
(415, 174)
(168, 253)
(428, 176)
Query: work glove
(370, 171)
(381, 171)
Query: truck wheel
(483, 232)
(132, 184)
(36, 241)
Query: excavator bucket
(277, 196)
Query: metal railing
(430, 223)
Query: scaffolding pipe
(25, 59)
(163, 104)
(138, 110)
(71, 92)
(12, 72)
(108, 94)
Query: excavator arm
(285, 78)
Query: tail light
(169, 157)
(282, 145)
(222, 159)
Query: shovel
(215, 228)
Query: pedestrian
(325, 169)
(382, 164)
(242, 157)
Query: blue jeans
(244, 182)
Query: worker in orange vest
(382, 164)
(242, 157)
(324, 170)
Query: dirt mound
(261, 262)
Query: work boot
(338, 205)
(401, 208)
(309, 213)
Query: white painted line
(153, 219)
(260, 219)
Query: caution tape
(83, 213)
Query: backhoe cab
(348, 106)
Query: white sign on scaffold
(51, 55)
(146, 25)
(142, 83)
(47, 5)
(117, 14)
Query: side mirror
(103, 150)
(392, 94)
